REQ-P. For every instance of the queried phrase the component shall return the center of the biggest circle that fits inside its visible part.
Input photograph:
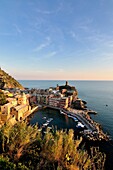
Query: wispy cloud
(100, 40)
(75, 36)
(85, 24)
(49, 55)
(44, 57)
(48, 12)
(95, 37)
(84, 27)
(43, 45)
(17, 28)
(44, 11)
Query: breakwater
(93, 131)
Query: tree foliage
(26, 147)
(7, 81)
(2, 98)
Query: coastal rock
(78, 104)
(91, 112)
(84, 102)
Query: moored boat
(45, 124)
(74, 118)
(49, 120)
(44, 118)
(62, 112)
(80, 125)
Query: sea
(99, 97)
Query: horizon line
(59, 80)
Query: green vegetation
(24, 147)
(2, 98)
(8, 81)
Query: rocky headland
(7, 81)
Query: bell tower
(24, 100)
(66, 83)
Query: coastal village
(23, 102)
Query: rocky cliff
(7, 81)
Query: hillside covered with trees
(3, 99)
(7, 81)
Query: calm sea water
(99, 97)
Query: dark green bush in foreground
(23, 147)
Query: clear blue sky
(57, 39)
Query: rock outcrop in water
(7, 81)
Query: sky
(57, 39)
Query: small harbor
(78, 120)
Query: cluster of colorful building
(60, 96)
(16, 108)
(20, 102)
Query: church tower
(66, 83)
(24, 99)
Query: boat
(64, 113)
(80, 125)
(49, 120)
(44, 118)
(45, 124)
(69, 116)
(75, 119)
(61, 112)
